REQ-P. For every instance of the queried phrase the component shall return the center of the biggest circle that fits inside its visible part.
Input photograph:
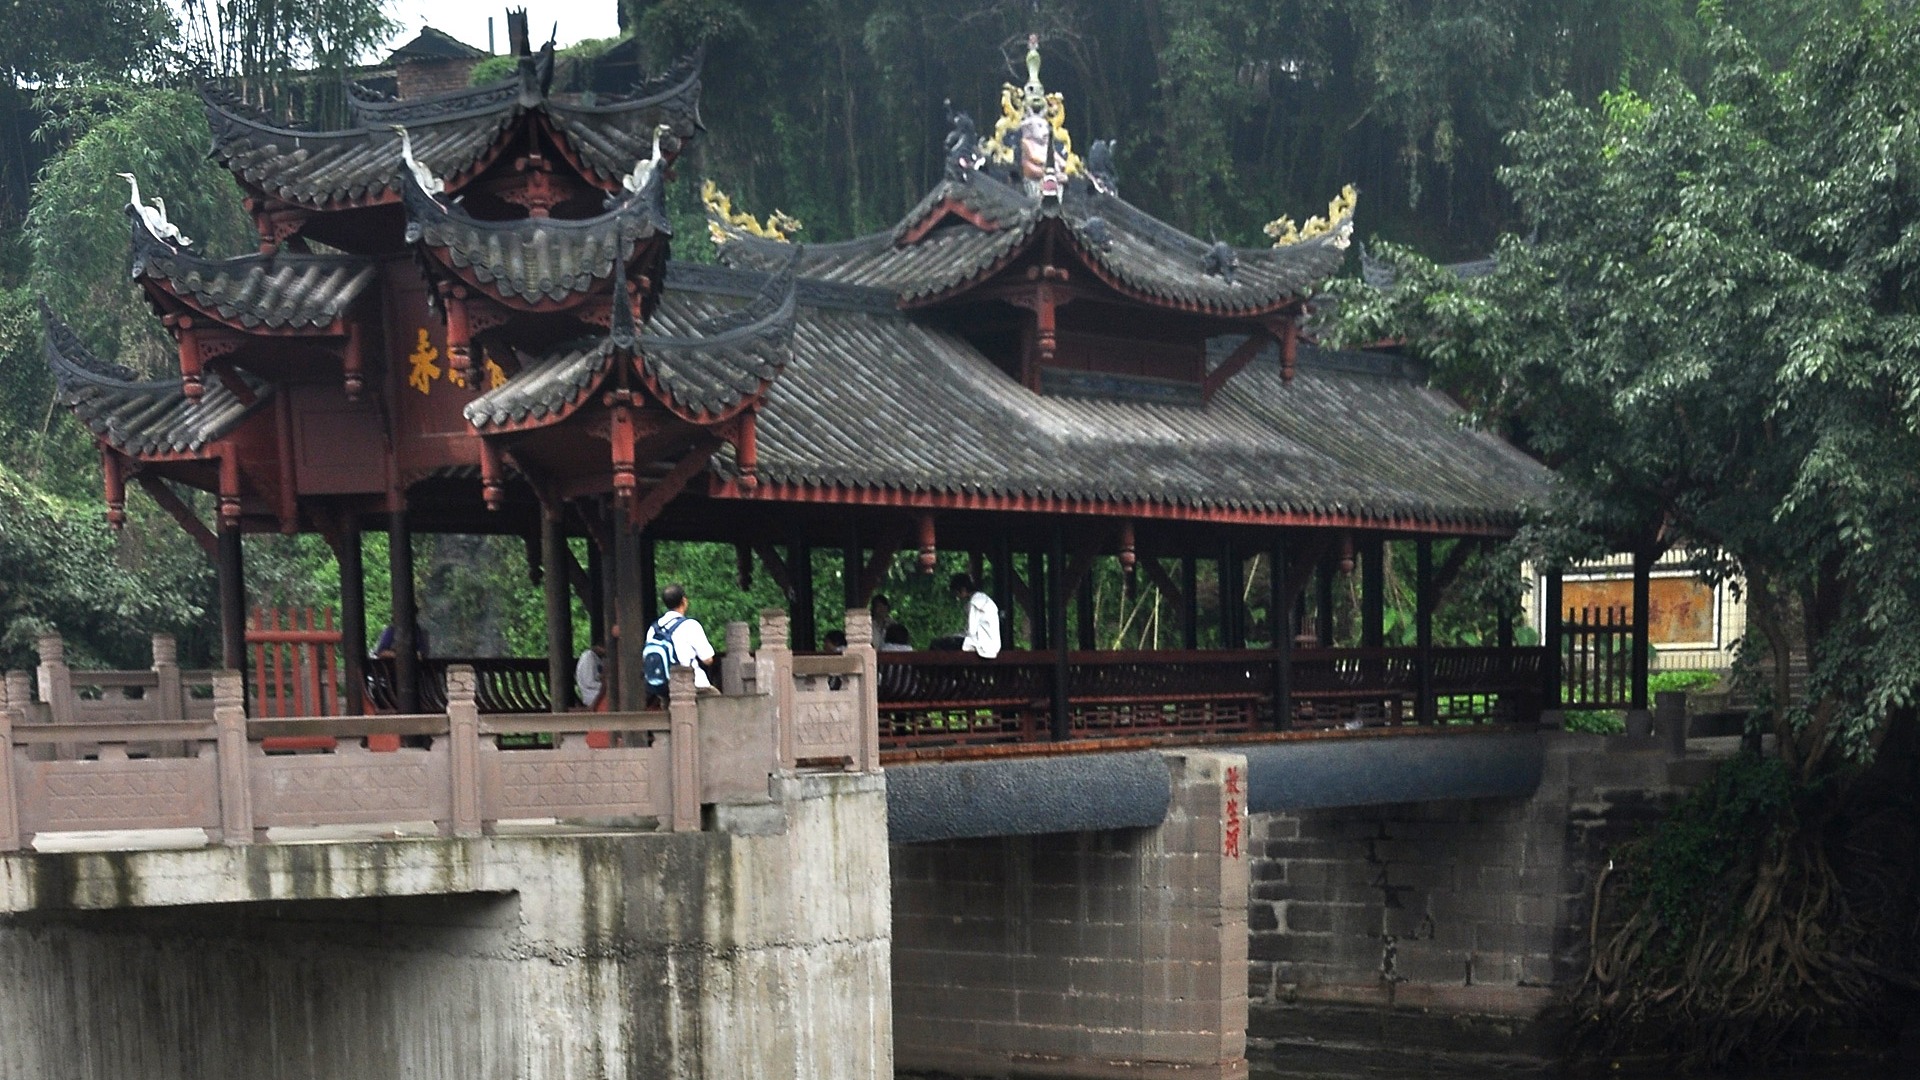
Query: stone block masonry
(1365, 920)
(1119, 953)
(757, 948)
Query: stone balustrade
(106, 751)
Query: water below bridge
(1390, 1064)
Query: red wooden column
(1373, 594)
(1189, 603)
(631, 613)
(1280, 616)
(406, 649)
(1423, 591)
(353, 616)
(1056, 602)
(231, 574)
(556, 589)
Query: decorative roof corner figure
(1100, 168)
(963, 145)
(643, 171)
(155, 216)
(724, 222)
(1221, 261)
(1338, 223)
(1097, 233)
(423, 176)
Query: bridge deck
(106, 752)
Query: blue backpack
(658, 657)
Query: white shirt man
(983, 619)
(690, 645)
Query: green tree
(1713, 338)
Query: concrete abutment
(757, 948)
(1117, 953)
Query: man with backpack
(675, 639)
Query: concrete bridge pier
(1120, 952)
(755, 948)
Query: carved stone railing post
(683, 719)
(463, 738)
(774, 671)
(736, 667)
(860, 645)
(170, 701)
(230, 750)
(9, 814)
(56, 679)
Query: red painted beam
(834, 495)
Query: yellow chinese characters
(422, 369)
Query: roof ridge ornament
(1031, 134)
(725, 224)
(155, 216)
(1338, 223)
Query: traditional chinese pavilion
(462, 317)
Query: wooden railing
(146, 753)
(296, 670)
(1596, 658)
(510, 684)
(957, 699)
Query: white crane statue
(642, 173)
(155, 216)
(428, 182)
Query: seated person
(882, 609)
(383, 649)
(834, 641)
(896, 639)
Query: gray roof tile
(1131, 247)
(140, 418)
(537, 259)
(451, 134)
(284, 290)
(875, 399)
(705, 364)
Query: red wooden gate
(296, 669)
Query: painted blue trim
(1025, 796)
(1327, 773)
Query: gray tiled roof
(705, 364)
(451, 133)
(136, 417)
(537, 259)
(875, 399)
(1126, 244)
(284, 290)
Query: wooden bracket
(180, 512)
(775, 566)
(648, 507)
(1443, 577)
(1164, 581)
(1233, 364)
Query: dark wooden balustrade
(941, 699)
(509, 684)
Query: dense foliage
(1228, 112)
(1712, 330)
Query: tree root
(1779, 956)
